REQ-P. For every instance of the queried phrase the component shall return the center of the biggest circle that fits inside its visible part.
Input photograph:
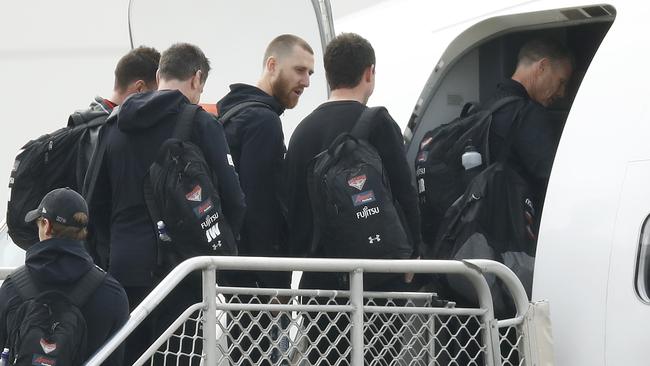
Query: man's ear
(140, 86)
(158, 76)
(543, 65)
(271, 64)
(196, 79)
(48, 226)
(369, 73)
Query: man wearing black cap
(60, 262)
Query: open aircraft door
(234, 36)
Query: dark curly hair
(139, 64)
(346, 58)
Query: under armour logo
(215, 246)
(372, 240)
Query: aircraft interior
(471, 67)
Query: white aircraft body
(593, 257)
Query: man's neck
(354, 94)
(117, 98)
(264, 84)
(182, 86)
(525, 79)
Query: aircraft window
(643, 264)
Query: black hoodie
(132, 138)
(61, 262)
(257, 143)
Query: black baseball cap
(60, 205)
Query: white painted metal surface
(486, 336)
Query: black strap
(97, 158)
(500, 103)
(317, 221)
(152, 204)
(183, 129)
(225, 118)
(28, 288)
(362, 127)
(154, 214)
(515, 125)
(468, 107)
(24, 284)
(76, 119)
(87, 286)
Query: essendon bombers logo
(357, 182)
(48, 347)
(195, 194)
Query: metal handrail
(473, 270)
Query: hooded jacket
(61, 262)
(133, 137)
(257, 143)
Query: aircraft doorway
(486, 54)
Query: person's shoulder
(382, 118)
(205, 120)
(258, 113)
(110, 291)
(7, 290)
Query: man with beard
(256, 141)
(251, 118)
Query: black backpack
(92, 121)
(493, 219)
(46, 326)
(440, 175)
(46, 163)
(182, 191)
(355, 215)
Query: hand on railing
(408, 277)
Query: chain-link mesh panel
(184, 346)
(392, 337)
(511, 342)
(316, 330)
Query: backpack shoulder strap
(88, 117)
(95, 163)
(75, 119)
(362, 127)
(469, 108)
(97, 121)
(24, 283)
(183, 129)
(86, 286)
(225, 118)
(515, 125)
(500, 103)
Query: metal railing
(234, 325)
